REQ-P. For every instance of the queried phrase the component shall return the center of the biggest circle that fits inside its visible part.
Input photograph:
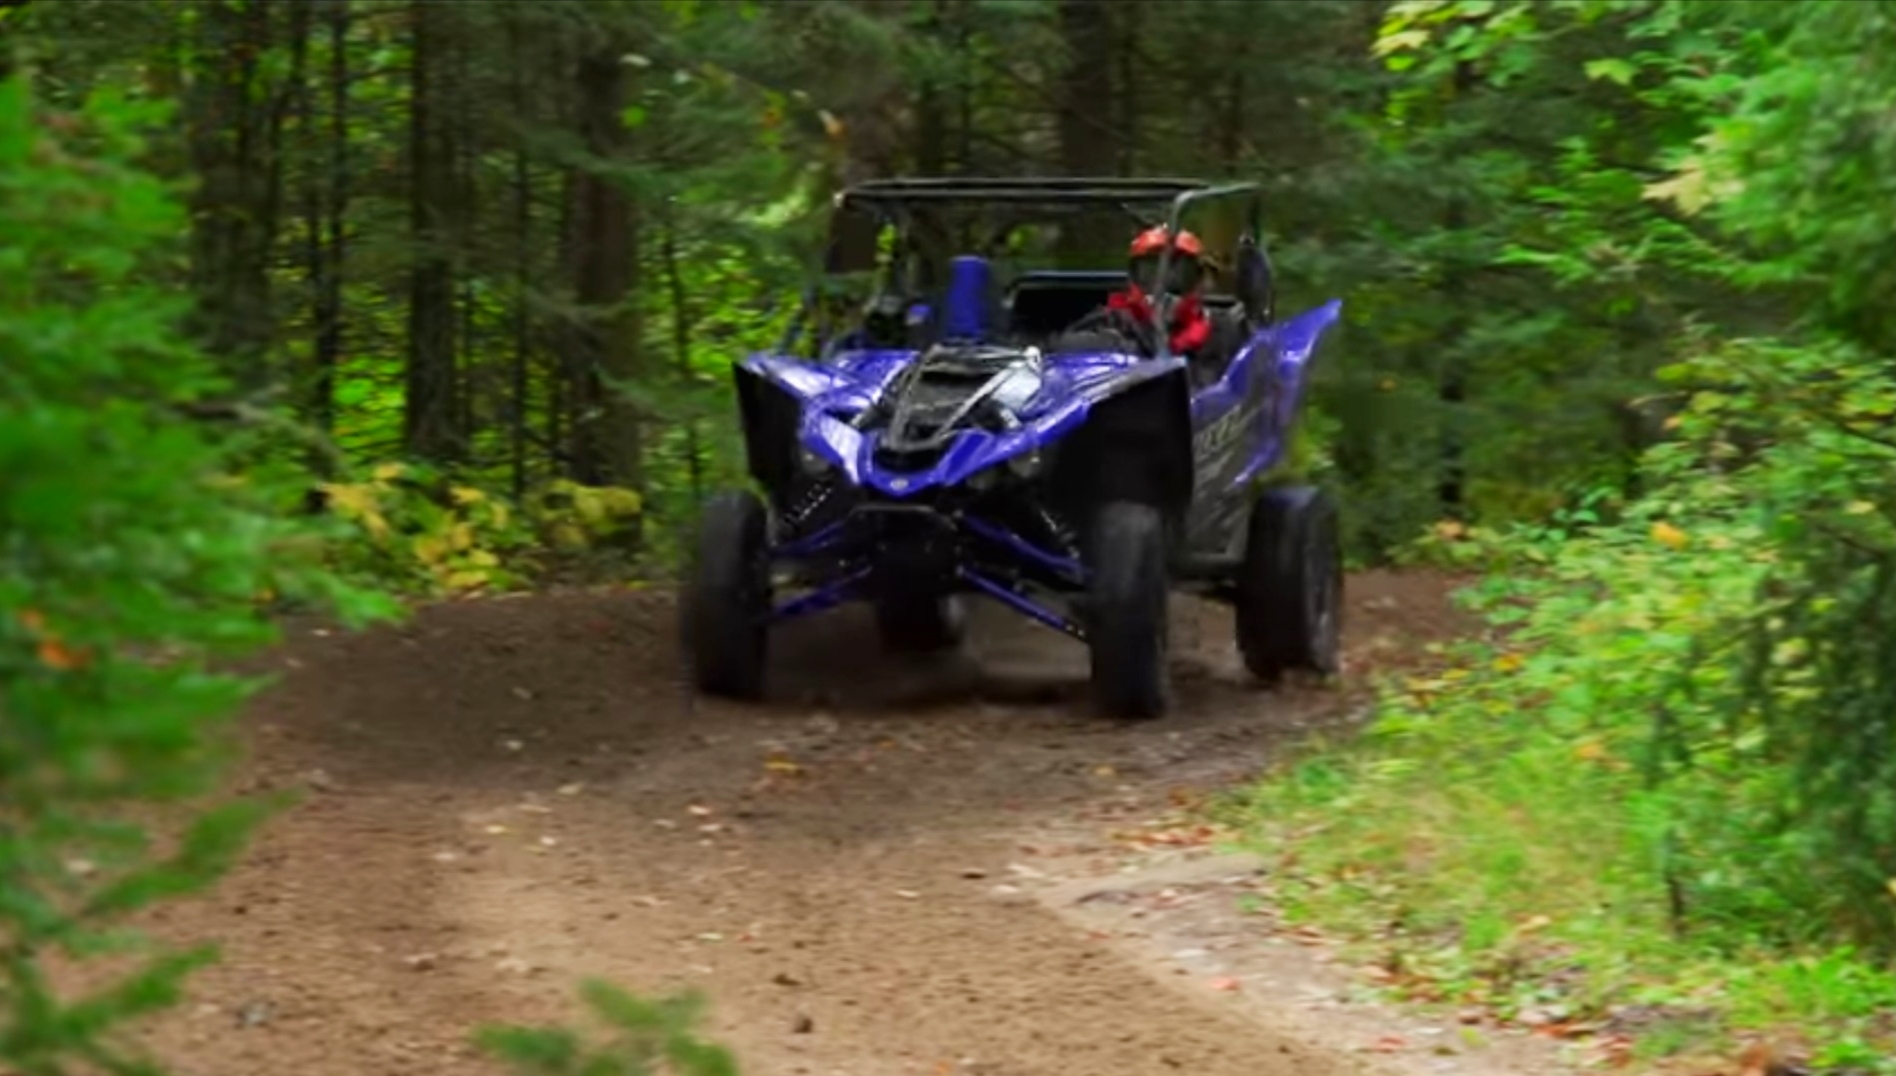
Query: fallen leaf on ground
(907, 894)
(1389, 1044)
(701, 812)
(1225, 982)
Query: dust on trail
(507, 795)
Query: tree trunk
(931, 106)
(608, 429)
(428, 426)
(681, 354)
(1087, 145)
(229, 120)
(1451, 378)
(520, 410)
(1127, 92)
(328, 350)
(320, 192)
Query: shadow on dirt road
(506, 795)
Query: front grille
(907, 459)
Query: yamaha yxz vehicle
(1001, 422)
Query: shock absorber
(1062, 536)
(806, 505)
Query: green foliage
(130, 559)
(644, 1038)
(1662, 775)
(409, 529)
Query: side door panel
(1241, 424)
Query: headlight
(811, 464)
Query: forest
(350, 307)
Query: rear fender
(1297, 341)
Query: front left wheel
(1126, 611)
(727, 598)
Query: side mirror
(1256, 289)
(852, 242)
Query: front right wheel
(1126, 619)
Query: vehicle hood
(833, 394)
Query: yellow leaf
(497, 512)
(467, 579)
(1398, 41)
(587, 503)
(620, 502)
(1891, 886)
(1507, 663)
(378, 527)
(1860, 508)
(461, 537)
(783, 766)
(1688, 188)
(1669, 536)
(430, 549)
(467, 495)
(389, 472)
(1448, 530)
(1590, 751)
(350, 501)
(482, 558)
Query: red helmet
(1186, 269)
(1152, 241)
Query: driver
(1189, 326)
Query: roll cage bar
(894, 201)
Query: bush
(129, 561)
(410, 528)
(646, 1038)
(1674, 748)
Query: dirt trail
(507, 795)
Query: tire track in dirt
(506, 795)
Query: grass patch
(1511, 836)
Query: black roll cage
(893, 201)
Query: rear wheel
(919, 625)
(1126, 611)
(727, 598)
(1290, 586)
